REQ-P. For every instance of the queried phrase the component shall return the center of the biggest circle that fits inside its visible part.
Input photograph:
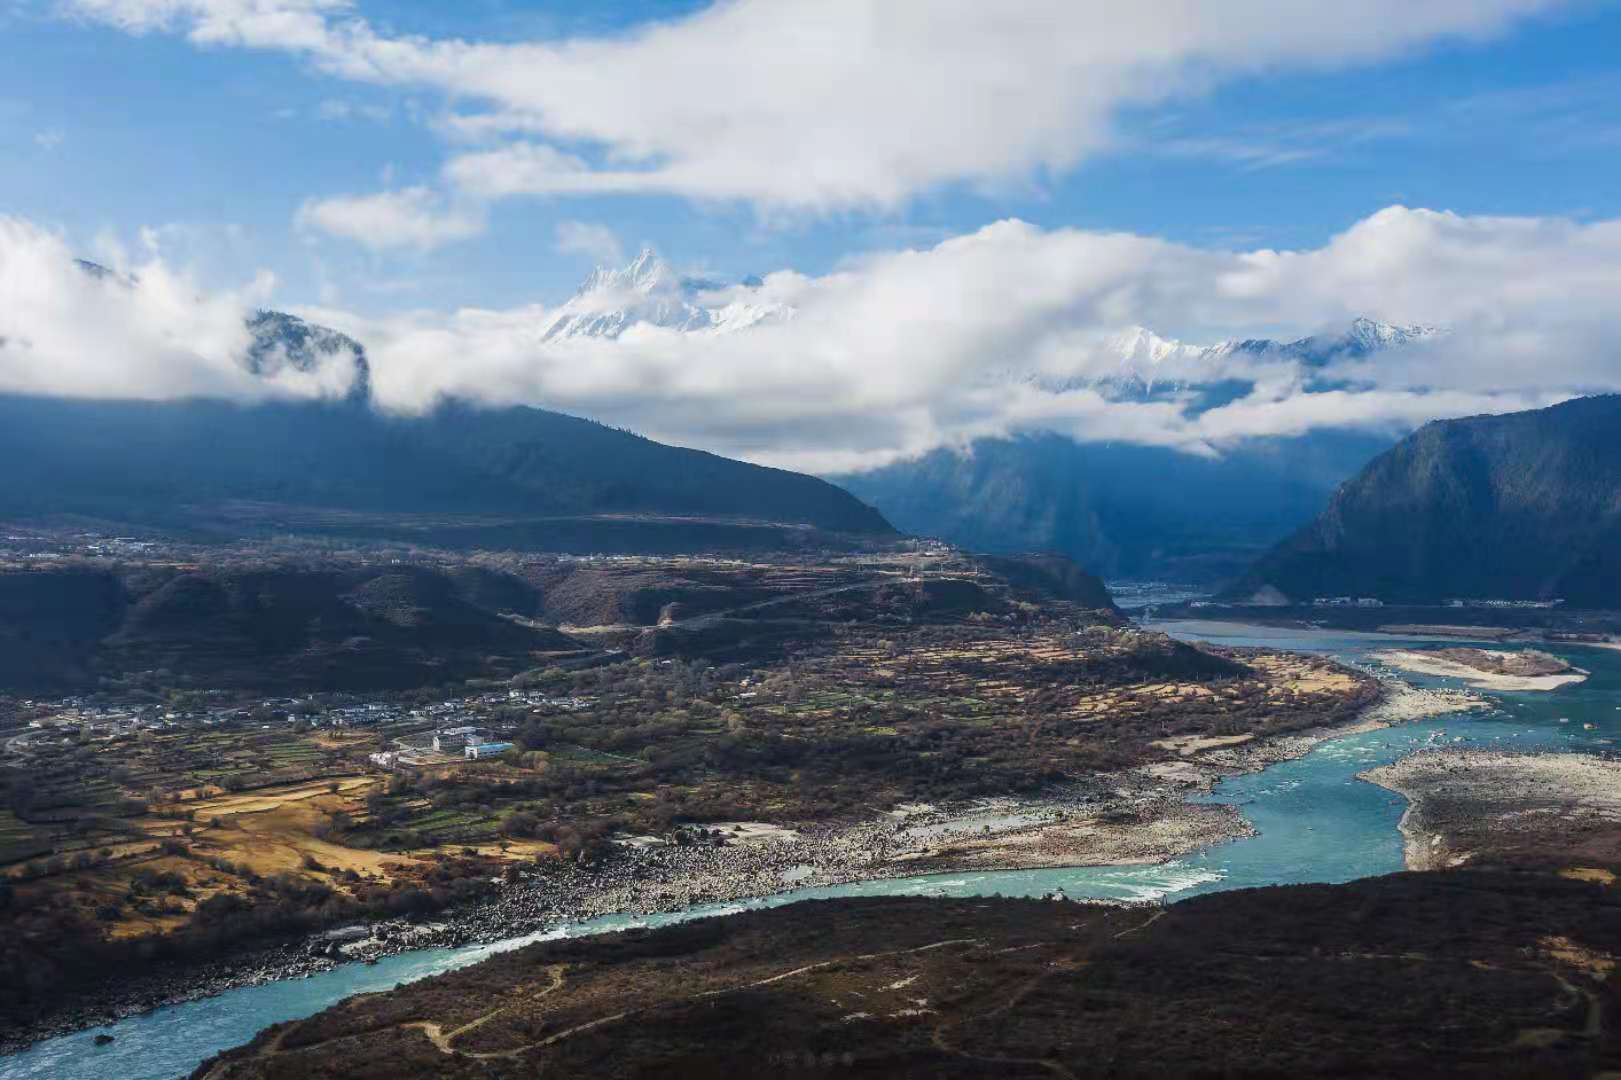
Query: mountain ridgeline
(515, 475)
(1134, 511)
(461, 475)
(1121, 510)
(1525, 506)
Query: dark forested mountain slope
(1118, 509)
(1525, 506)
(199, 463)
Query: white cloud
(826, 106)
(1016, 329)
(49, 139)
(413, 217)
(1008, 329)
(144, 331)
(598, 242)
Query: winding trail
(443, 1040)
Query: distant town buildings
(1504, 603)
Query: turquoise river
(1315, 822)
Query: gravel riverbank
(1488, 805)
(1485, 670)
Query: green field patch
(584, 755)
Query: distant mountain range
(1525, 506)
(1126, 510)
(1119, 509)
(518, 477)
(1146, 364)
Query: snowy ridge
(1137, 362)
(649, 292)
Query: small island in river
(1487, 669)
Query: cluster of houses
(1504, 603)
(74, 719)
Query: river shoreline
(1140, 816)
(1471, 805)
(1481, 678)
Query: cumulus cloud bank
(1005, 330)
(1015, 329)
(825, 106)
(145, 330)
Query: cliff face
(1525, 506)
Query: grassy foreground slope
(1462, 974)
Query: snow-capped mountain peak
(1137, 364)
(1361, 338)
(647, 274)
(650, 292)
(1368, 336)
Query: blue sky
(107, 131)
(971, 219)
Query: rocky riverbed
(1557, 810)
(1138, 816)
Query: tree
(521, 823)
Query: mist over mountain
(282, 341)
(1144, 511)
(522, 476)
(1525, 506)
(1147, 366)
(1119, 508)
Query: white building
(475, 751)
(453, 739)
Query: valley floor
(1136, 816)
